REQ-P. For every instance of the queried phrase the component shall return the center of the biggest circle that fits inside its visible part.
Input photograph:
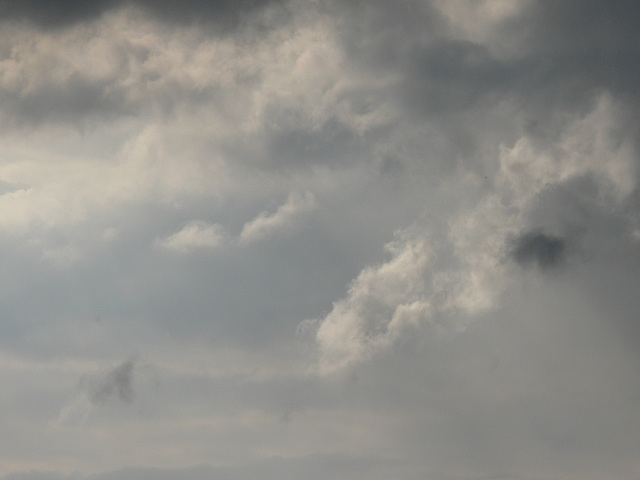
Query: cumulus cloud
(410, 290)
(380, 303)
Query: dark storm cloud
(62, 13)
(117, 384)
(538, 248)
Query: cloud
(113, 386)
(62, 13)
(197, 234)
(55, 13)
(277, 147)
(472, 274)
(381, 302)
(535, 247)
(116, 384)
(200, 234)
(266, 224)
(270, 468)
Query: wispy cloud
(113, 386)
(266, 224)
(195, 235)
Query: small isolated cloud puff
(196, 234)
(265, 224)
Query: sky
(284, 239)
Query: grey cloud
(113, 387)
(576, 46)
(295, 146)
(223, 14)
(337, 466)
(37, 475)
(558, 55)
(450, 76)
(578, 26)
(462, 140)
(274, 468)
(375, 33)
(454, 76)
(52, 88)
(71, 101)
(61, 13)
(55, 13)
(538, 248)
(116, 384)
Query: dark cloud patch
(577, 45)
(456, 76)
(538, 248)
(224, 14)
(375, 33)
(560, 54)
(71, 101)
(450, 76)
(56, 13)
(578, 25)
(63, 13)
(117, 385)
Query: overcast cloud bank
(282, 238)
